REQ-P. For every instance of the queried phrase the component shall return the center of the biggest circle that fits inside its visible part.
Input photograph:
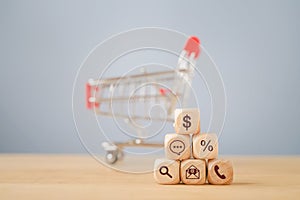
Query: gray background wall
(255, 44)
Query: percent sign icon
(207, 145)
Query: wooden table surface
(81, 177)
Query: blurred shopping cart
(165, 88)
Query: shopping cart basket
(164, 87)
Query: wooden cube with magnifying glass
(166, 171)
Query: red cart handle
(192, 46)
(89, 90)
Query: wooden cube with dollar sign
(187, 121)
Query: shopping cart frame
(186, 63)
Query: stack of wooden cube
(191, 156)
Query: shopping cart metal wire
(140, 92)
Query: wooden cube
(205, 146)
(193, 171)
(187, 121)
(177, 147)
(219, 172)
(166, 171)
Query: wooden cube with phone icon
(219, 172)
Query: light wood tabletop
(82, 177)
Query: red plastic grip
(192, 46)
(88, 94)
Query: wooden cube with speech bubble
(177, 147)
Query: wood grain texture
(81, 177)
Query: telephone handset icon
(216, 168)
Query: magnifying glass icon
(164, 170)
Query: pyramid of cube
(191, 156)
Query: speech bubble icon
(177, 147)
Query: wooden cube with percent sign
(177, 147)
(166, 171)
(193, 171)
(219, 172)
(187, 121)
(205, 146)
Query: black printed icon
(187, 120)
(206, 145)
(192, 172)
(216, 168)
(177, 147)
(164, 170)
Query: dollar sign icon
(187, 123)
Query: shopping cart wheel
(111, 157)
(112, 153)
